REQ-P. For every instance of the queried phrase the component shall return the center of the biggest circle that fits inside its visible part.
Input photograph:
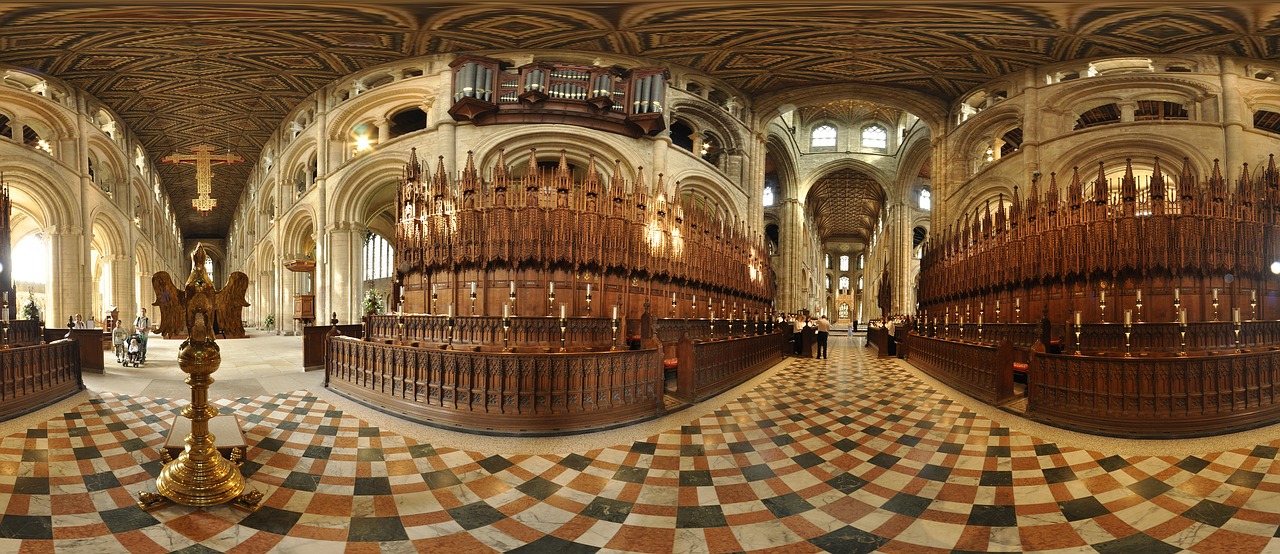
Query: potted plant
(29, 310)
(270, 322)
(372, 303)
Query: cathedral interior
(526, 277)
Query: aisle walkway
(851, 454)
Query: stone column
(320, 287)
(1233, 120)
(346, 241)
(384, 130)
(1126, 111)
(65, 288)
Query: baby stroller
(134, 352)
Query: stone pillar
(1233, 120)
(65, 288)
(1030, 129)
(941, 183)
(753, 178)
(384, 130)
(346, 241)
(1126, 111)
(320, 287)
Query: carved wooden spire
(441, 192)
(470, 181)
(1051, 195)
(1128, 184)
(501, 180)
(618, 189)
(1244, 188)
(532, 181)
(1157, 188)
(1001, 220)
(1187, 186)
(1075, 191)
(1101, 188)
(563, 178)
(1217, 184)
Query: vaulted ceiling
(846, 205)
(228, 73)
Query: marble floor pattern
(850, 454)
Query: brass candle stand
(1128, 329)
(1215, 304)
(434, 296)
(614, 324)
(1182, 342)
(551, 303)
(1138, 305)
(1102, 308)
(1078, 329)
(1253, 305)
(200, 476)
(473, 302)
(564, 326)
(506, 334)
(673, 306)
(449, 322)
(588, 304)
(1236, 325)
(512, 299)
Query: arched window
(407, 121)
(767, 197)
(926, 199)
(844, 283)
(378, 257)
(34, 268)
(208, 269)
(826, 261)
(862, 260)
(844, 263)
(823, 136)
(875, 136)
(859, 282)
(828, 282)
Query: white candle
(551, 287)
(1077, 319)
(615, 312)
(997, 305)
(1128, 317)
(1215, 294)
(673, 298)
(506, 311)
(588, 289)
(473, 287)
(1182, 317)
(1253, 295)
(513, 287)
(946, 319)
(562, 311)
(1177, 295)
(1139, 295)
(1017, 302)
(979, 319)
(450, 310)
(1104, 297)
(1235, 315)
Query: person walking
(142, 326)
(798, 327)
(118, 336)
(824, 331)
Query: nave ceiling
(228, 73)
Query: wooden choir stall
(553, 302)
(1133, 307)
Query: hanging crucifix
(203, 157)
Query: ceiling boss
(204, 202)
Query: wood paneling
(32, 377)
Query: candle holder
(1215, 308)
(1253, 304)
(1017, 313)
(473, 302)
(1182, 343)
(711, 313)
(673, 306)
(1138, 304)
(1177, 307)
(614, 324)
(1236, 325)
(506, 334)
(512, 300)
(979, 330)
(551, 303)
(1128, 328)
(1102, 309)
(1078, 329)
(449, 322)
(433, 299)
(588, 304)
(997, 312)
(400, 323)
(564, 326)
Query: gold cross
(202, 159)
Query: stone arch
(366, 178)
(715, 121)
(517, 141)
(298, 232)
(1138, 145)
(702, 185)
(933, 111)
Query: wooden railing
(593, 333)
(313, 342)
(496, 391)
(708, 368)
(980, 370)
(32, 377)
(23, 332)
(1155, 397)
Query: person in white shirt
(824, 331)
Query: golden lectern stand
(200, 476)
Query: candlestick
(511, 298)
(1235, 323)
(473, 288)
(473, 298)
(449, 321)
(1215, 304)
(1215, 295)
(563, 328)
(1077, 333)
(506, 328)
(588, 289)
(1102, 307)
(1182, 332)
(1128, 328)
(614, 324)
(1253, 304)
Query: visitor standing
(824, 331)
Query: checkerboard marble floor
(850, 454)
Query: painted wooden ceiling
(228, 73)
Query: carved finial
(1217, 183)
(1128, 184)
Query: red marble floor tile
(643, 539)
